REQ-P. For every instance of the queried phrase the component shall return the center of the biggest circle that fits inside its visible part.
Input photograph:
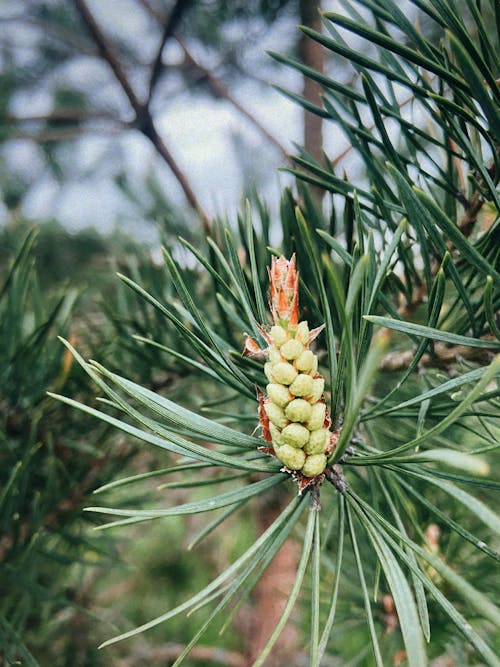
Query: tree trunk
(312, 54)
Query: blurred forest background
(122, 124)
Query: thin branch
(217, 88)
(170, 25)
(107, 53)
(143, 119)
(149, 131)
(62, 115)
(169, 652)
(151, 10)
(67, 134)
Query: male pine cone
(293, 413)
(294, 403)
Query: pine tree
(396, 527)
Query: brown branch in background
(170, 25)
(148, 129)
(215, 85)
(61, 115)
(167, 654)
(107, 53)
(257, 621)
(67, 134)
(143, 119)
(442, 357)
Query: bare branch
(217, 88)
(66, 134)
(107, 53)
(170, 25)
(143, 119)
(149, 131)
(169, 652)
(62, 115)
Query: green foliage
(405, 277)
(49, 464)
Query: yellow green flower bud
(292, 349)
(314, 465)
(317, 418)
(318, 442)
(283, 372)
(275, 435)
(302, 385)
(317, 390)
(306, 361)
(278, 394)
(295, 435)
(302, 332)
(293, 458)
(274, 355)
(275, 414)
(298, 410)
(279, 335)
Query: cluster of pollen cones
(293, 413)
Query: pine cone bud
(283, 372)
(302, 385)
(279, 335)
(293, 458)
(317, 418)
(317, 390)
(295, 435)
(279, 394)
(307, 362)
(314, 465)
(318, 442)
(275, 414)
(294, 415)
(298, 410)
(292, 349)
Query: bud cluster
(294, 405)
